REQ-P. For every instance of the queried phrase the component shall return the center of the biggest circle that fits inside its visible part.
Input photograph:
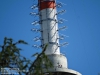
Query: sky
(82, 18)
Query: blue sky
(83, 51)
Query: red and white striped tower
(50, 36)
(49, 26)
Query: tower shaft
(49, 26)
(50, 36)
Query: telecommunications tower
(50, 35)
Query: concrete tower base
(60, 66)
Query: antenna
(63, 35)
(35, 30)
(64, 44)
(37, 39)
(48, 26)
(59, 5)
(36, 46)
(62, 28)
(61, 20)
(34, 14)
(60, 12)
(35, 23)
(34, 6)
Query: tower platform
(60, 66)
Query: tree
(10, 57)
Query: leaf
(21, 41)
(20, 65)
(24, 67)
(36, 54)
(19, 49)
(5, 39)
(45, 48)
(24, 58)
(2, 47)
(10, 39)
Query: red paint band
(46, 4)
(45, 0)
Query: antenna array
(37, 25)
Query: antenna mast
(50, 35)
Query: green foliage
(40, 63)
(10, 54)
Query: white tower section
(49, 26)
(49, 35)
